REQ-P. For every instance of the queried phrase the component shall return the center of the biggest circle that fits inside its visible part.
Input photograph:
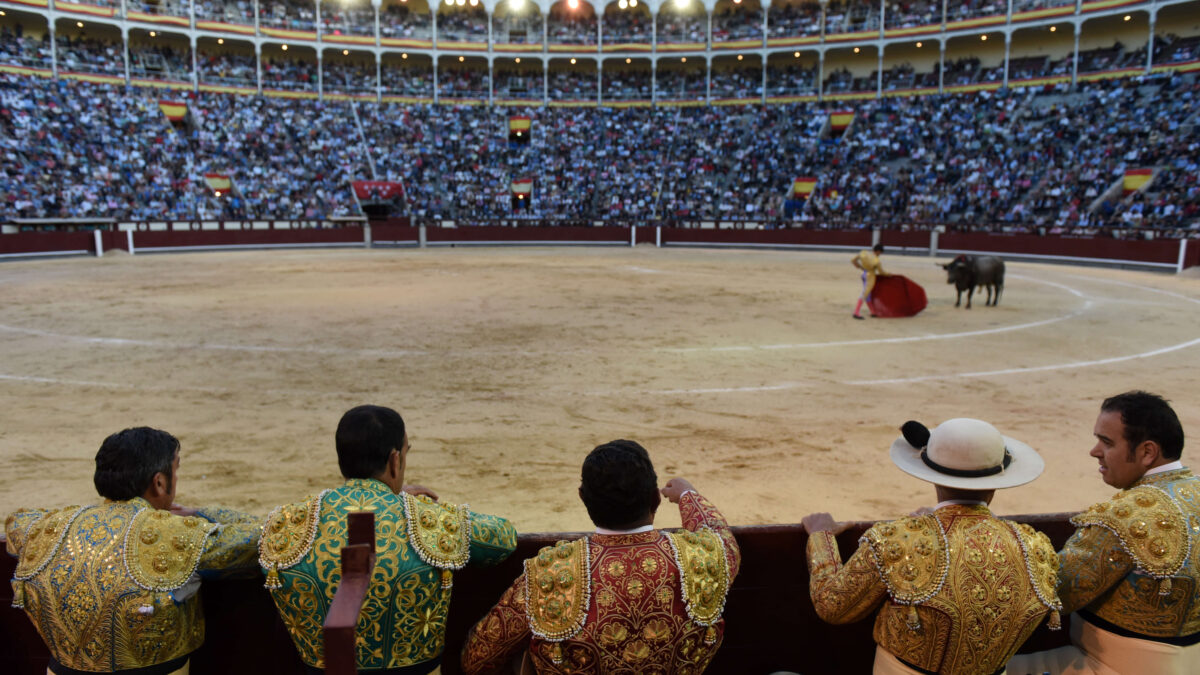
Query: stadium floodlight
(1053, 28)
(153, 34)
(79, 24)
(681, 3)
(345, 52)
(623, 4)
(220, 41)
(516, 4)
(460, 3)
(284, 48)
(473, 2)
(633, 3)
(573, 4)
(919, 45)
(449, 2)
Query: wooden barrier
(358, 563)
(770, 622)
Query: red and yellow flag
(840, 119)
(522, 186)
(219, 183)
(174, 110)
(1136, 178)
(519, 125)
(803, 186)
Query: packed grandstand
(1028, 142)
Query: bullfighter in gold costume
(112, 587)
(1130, 571)
(419, 543)
(629, 598)
(958, 590)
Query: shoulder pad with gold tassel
(287, 536)
(42, 541)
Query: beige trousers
(887, 664)
(1095, 651)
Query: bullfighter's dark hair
(128, 460)
(1148, 417)
(365, 438)
(619, 486)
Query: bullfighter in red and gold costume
(629, 598)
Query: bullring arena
(739, 369)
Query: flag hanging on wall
(1136, 178)
(840, 119)
(803, 187)
(174, 110)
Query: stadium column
(1007, 50)
(942, 65)
(195, 63)
(821, 63)
(1075, 53)
(53, 44)
(125, 51)
(320, 74)
(378, 72)
(1150, 41)
(879, 70)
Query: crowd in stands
(18, 48)
(791, 80)
(160, 62)
(286, 73)
(742, 82)
(457, 81)
(572, 85)
(795, 18)
(957, 10)
(225, 11)
(349, 77)
(289, 14)
(573, 28)
(627, 85)
(339, 19)
(397, 21)
(88, 55)
(630, 25)
(1028, 158)
(913, 13)
(227, 68)
(519, 29)
(466, 24)
(851, 16)
(737, 22)
(674, 84)
(675, 28)
(406, 80)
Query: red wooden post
(358, 562)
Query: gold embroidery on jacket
(558, 588)
(161, 550)
(440, 533)
(287, 536)
(704, 573)
(1151, 527)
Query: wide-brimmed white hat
(969, 454)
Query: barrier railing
(770, 622)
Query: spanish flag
(840, 119)
(803, 187)
(1136, 178)
(219, 183)
(522, 186)
(174, 110)
(519, 125)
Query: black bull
(968, 271)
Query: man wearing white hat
(958, 590)
(1130, 572)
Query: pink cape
(897, 295)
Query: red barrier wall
(391, 232)
(1135, 250)
(858, 238)
(216, 238)
(46, 242)
(516, 235)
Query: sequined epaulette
(1151, 527)
(287, 536)
(913, 559)
(1041, 562)
(558, 590)
(440, 533)
(162, 550)
(704, 571)
(42, 540)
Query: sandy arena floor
(740, 370)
